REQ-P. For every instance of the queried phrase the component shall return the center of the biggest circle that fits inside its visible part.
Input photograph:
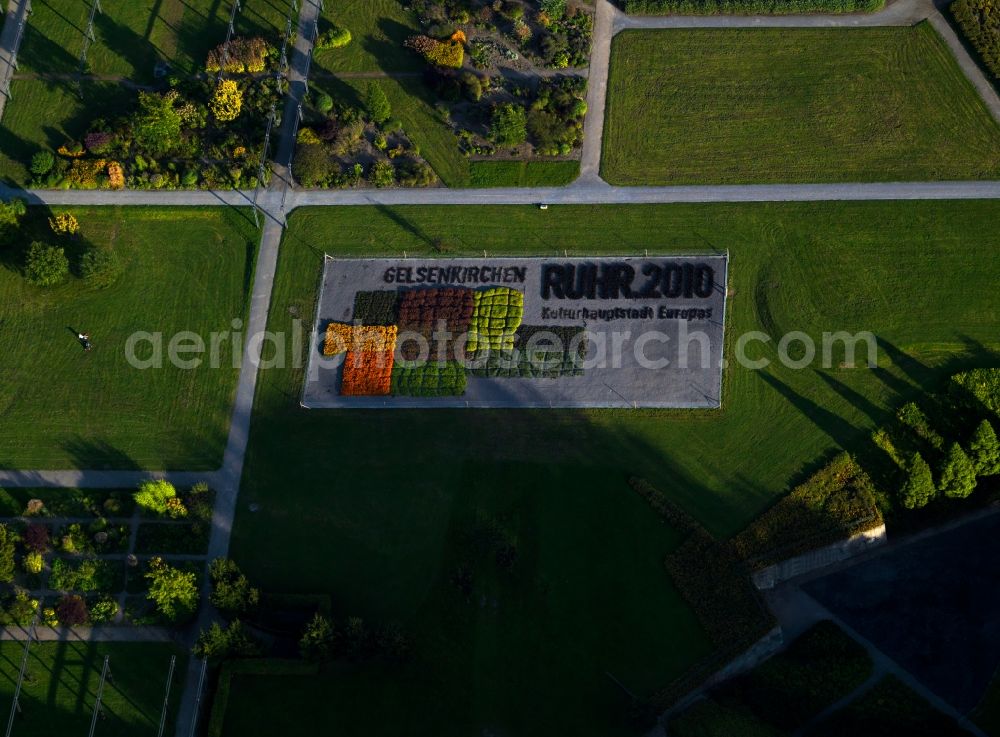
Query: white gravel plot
(654, 328)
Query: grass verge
(807, 105)
(59, 694)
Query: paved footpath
(17, 11)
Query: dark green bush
(980, 22)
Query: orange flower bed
(341, 337)
(367, 374)
(338, 338)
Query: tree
(918, 490)
(984, 450)
(472, 86)
(335, 38)
(7, 540)
(227, 102)
(355, 638)
(72, 610)
(318, 641)
(36, 537)
(10, 219)
(174, 592)
(377, 104)
(312, 164)
(324, 103)
(231, 590)
(101, 267)
(45, 265)
(958, 475)
(156, 127)
(218, 644)
(154, 495)
(42, 163)
(509, 126)
(33, 563)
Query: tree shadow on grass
(392, 55)
(837, 428)
(88, 453)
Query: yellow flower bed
(341, 337)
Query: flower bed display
(422, 312)
(367, 373)
(341, 337)
(376, 308)
(497, 315)
(431, 379)
(498, 332)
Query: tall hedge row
(748, 7)
(980, 22)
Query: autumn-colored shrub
(440, 53)
(116, 176)
(98, 142)
(227, 102)
(367, 373)
(86, 173)
(64, 223)
(36, 537)
(72, 610)
(244, 55)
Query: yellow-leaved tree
(227, 101)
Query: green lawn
(780, 105)
(186, 269)
(47, 114)
(378, 28)
(59, 694)
(367, 506)
(132, 35)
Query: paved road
(579, 193)
(597, 91)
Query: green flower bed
(524, 364)
(376, 308)
(432, 379)
(496, 317)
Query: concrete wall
(767, 578)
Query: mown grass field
(378, 28)
(59, 695)
(132, 35)
(806, 105)
(368, 505)
(62, 407)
